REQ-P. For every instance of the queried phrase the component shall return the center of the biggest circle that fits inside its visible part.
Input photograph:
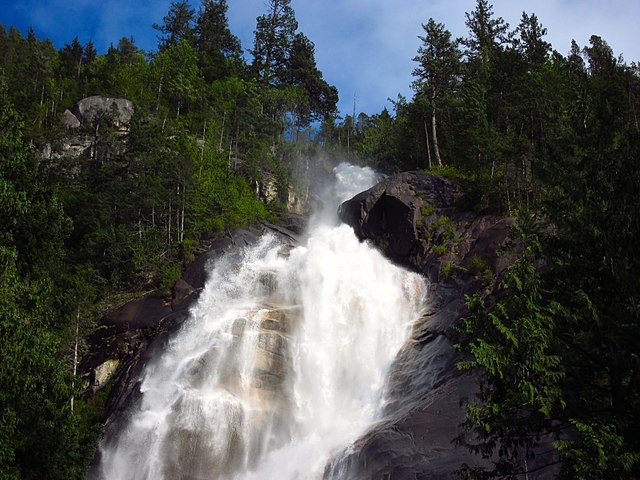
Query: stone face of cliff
(429, 224)
(86, 124)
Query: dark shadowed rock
(293, 222)
(416, 220)
(181, 290)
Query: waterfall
(281, 363)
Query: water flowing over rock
(281, 361)
(309, 355)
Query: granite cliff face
(428, 224)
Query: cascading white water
(281, 363)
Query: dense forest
(551, 139)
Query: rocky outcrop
(116, 111)
(428, 224)
(86, 124)
(431, 225)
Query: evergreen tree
(487, 34)
(39, 438)
(320, 98)
(218, 49)
(520, 390)
(590, 182)
(273, 39)
(436, 76)
(530, 42)
(179, 75)
(177, 25)
(71, 59)
(592, 165)
(485, 68)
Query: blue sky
(363, 47)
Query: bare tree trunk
(426, 136)
(436, 149)
(204, 142)
(182, 224)
(169, 225)
(224, 116)
(179, 233)
(525, 174)
(75, 356)
(506, 187)
(159, 90)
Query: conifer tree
(437, 74)
(301, 71)
(177, 25)
(215, 44)
(273, 39)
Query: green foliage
(219, 51)
(438, 71)
(446, 270)
(219, 198)
(599, 453)
(179, 74)
(39, 438)
(512, 345)
(479, 268)
(169, 274)
(427, 210)
(177, 25)
(31, 215)
(273, 39)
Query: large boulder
(88, 123)
(118, 111)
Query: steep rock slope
(431, 225)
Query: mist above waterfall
(281, 364)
